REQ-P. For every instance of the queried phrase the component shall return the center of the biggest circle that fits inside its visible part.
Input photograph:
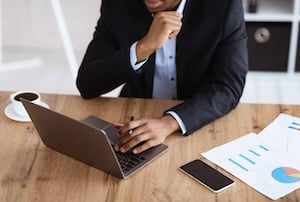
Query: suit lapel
(182, 48)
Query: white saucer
(10, 113)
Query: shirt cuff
(133, 58)
(179, 121)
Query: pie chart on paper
(286, 175)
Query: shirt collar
(181, 6)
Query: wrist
(143, 51)
(172, 124)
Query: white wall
(31, 23)
(30, 32)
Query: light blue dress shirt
(165, 80)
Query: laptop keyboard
(129, 160)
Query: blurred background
(42, 43)
(38, 37)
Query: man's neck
(174, 8)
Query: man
(191, 50)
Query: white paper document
(283, 133)
(269, 161)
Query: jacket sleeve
(227, 74)
(105, 64)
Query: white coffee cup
(17, 105)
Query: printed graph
(244, 159)
(286, 175)
(294, 126)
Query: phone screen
(206, 175)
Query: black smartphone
(206, 175)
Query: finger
(173, 34)
(133, 142)
(124, 139)
(143, 147)
(131, 125)
(168, 20)
(169, 15)
(124, 129)
(118, 125)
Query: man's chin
(153, 6)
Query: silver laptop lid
(74, 138)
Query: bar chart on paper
(248, 157)
(295, 126)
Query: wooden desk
(29, 171)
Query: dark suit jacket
(211, 57)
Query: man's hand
(166, 25)
(148, 132)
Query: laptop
(89, 141)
